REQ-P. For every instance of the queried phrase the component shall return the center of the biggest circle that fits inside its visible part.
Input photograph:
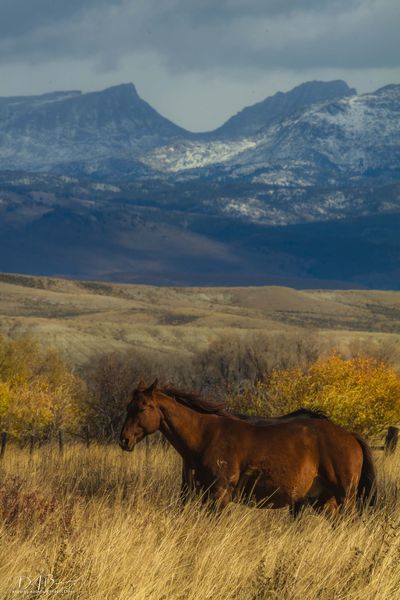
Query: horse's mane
(195, 401)
(300, 413)
(202, 405)
(305, 412)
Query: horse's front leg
(296, 507)
(221, 495)
(223, 488)
(187, 483)
(217, 480)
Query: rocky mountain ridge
(319, 132)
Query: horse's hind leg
(338, 505)
(330, 506)
(343, 500)
(350, 500)
(327, 505)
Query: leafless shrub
(112, 377)
(386, 350)
(236, 361)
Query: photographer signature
(43, 584)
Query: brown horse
(188, 481)
(287, 462)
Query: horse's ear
(141, 385)
(152, 388)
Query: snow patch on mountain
(194, 155)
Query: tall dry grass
(108, 525)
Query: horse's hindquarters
(310, 461)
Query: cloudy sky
(197, 61)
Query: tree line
(41, 394)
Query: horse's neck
(183, 427)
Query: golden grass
(108, 525)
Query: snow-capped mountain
(319, 133)
(354, 136)
(302, 189)
(95, 130)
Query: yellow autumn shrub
(360, 393)
(5, 396)
(38, 393)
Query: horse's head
(143, 416)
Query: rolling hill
(85, 318)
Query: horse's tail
(366, 491)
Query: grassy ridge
(86, 318)
(108, 525)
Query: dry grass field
(101, 524)
(86, 318)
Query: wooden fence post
(87, 436)
(392, 437)
(3, 443)
(147, 452)
(31, 444)
(60, 441)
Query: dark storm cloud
(208, 11)
(199, 35)
(21, 17)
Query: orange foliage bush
(361, 393)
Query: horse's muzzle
(124, 443)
